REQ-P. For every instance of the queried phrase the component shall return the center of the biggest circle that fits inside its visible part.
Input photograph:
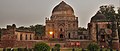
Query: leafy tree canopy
(39, 29)
(108, 11)
(82, 29)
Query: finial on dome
(63, 2)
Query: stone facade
(62, 23)
(103, 31)
(11, 35)
(20, 34)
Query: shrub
(57, 47)
(41, 47)
(8, 49)
(29, 49)
(20, 49)
(93, 47)
(25, 49)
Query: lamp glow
(51, 33)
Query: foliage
(41, 47)
(20, 49)
(39, 29)
(108, 11)
(8, 49)
(57, 45)
(25, 49)
(56, 48)
(93, 47)
(82, 29)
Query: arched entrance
(61, 35)
(69, 35)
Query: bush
(56, 48)
(41, 47)
(8, 49)
(20, 49)
(29, 49)
(93, 47)
(25, 49)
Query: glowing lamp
(51, 33)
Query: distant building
(20, 34)
(61, 28)
(103, 30)
(11, 35)
(83, 34)
(62, 23)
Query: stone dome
(63, 9)
(98, 17)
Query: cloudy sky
(31, 12)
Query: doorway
(61, 35)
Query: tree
(80, 30)
(108, 11)
(93, 47)
(41, 47)
(39, 29)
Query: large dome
(63, 9)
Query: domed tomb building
(103, 31)
(63, 23)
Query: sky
(32, 12)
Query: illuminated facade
(62, 23)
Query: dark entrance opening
(103, 38)
(69, 35)
(61, 35)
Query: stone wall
(28, 44)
